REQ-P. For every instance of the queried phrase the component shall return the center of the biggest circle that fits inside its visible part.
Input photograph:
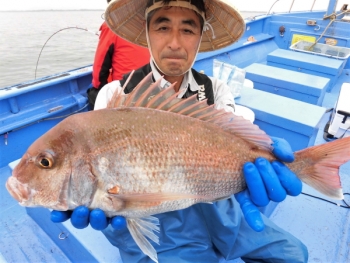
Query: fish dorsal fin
(149, 94)
(119, 97)
(243, 129)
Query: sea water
(35, 44)
(68, 45)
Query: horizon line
(41, 10)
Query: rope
(324, 31)
(332, 17)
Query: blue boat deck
(323, 227)
(28, 235)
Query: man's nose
(174, 41)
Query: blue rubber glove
(267, 182)
(81, 217)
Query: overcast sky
(247, 5)
(6, 5)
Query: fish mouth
(17, 190)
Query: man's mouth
(174, 58)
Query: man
(202, 232)
(114, 57)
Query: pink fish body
(155, 153)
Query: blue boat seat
(279, 116)
(291, 84)
(307, 63)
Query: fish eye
(44, 160)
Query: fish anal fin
(141, 229)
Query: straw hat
(224, 24)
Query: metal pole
(291, 6)
(312, 7)
(331, 7)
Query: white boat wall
(300, 90)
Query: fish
(150, 152)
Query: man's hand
(81, 217)
(267, 182)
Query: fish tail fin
(140, 228)
(318, 166)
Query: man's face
(174, 35)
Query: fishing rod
(66, 28)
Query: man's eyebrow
(161, 19)
(189, 22)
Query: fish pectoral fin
(222, 198)
(143, 228)
(152, 199)
(216, 200)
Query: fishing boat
(298, 65)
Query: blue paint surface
(295, 85)
(284, 117)
(307, 63)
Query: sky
(19, 5)
(247, 5)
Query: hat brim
(126, 18)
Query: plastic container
(321, 49)
(233, 76)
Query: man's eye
(162, 28)
(188, 31)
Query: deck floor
(21, 239)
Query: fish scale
(186, 156)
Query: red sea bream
(150, 153)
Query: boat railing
(294, 6)
(291, 6)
